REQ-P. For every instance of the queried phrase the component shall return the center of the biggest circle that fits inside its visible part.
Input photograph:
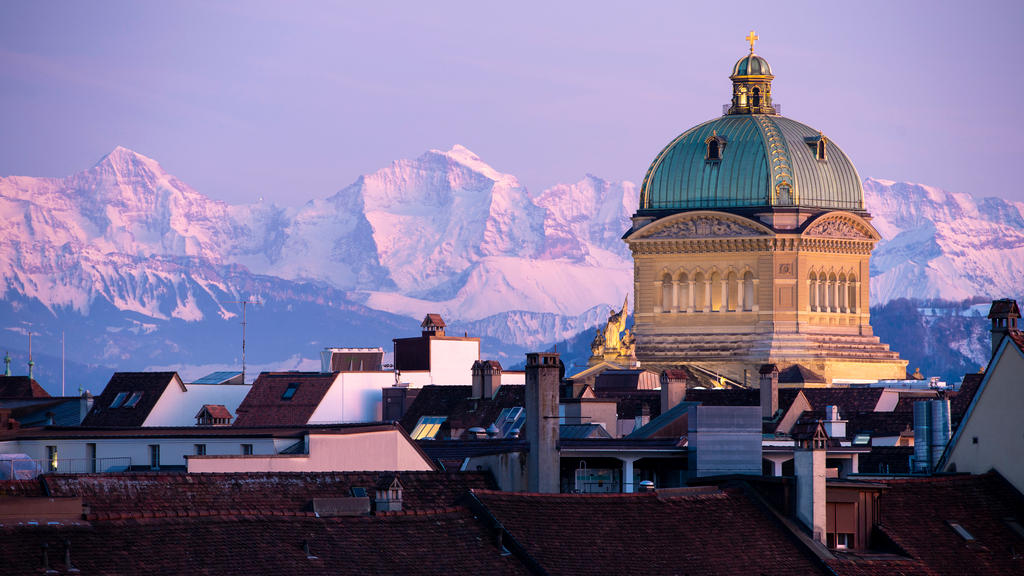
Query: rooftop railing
(28, 468)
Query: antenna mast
(244, 303)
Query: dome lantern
(751, 83)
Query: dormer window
(820, 151)
(715, 144)
(819, 144)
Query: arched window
(748, 291)
(851, 298)
(755, 97)
(732, 293)
(667, 293)
(812, 284)
(716, 292)
(700, 301)
(821, 152)
(842, 293)
(713, 152)
(833, 306)
(683, 292)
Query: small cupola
(751, 83)
(432, 325)
(389, 494)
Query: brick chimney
(542, 379)
(809, 467)
(1004, 314)
(769, 384)
(486, 378)
(673, 388)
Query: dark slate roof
(848, 399)
(264, 405)
(630, 403)
(152, 386)
(886, 460)
(138, 493)
(1004, 307)
(578, 431)
(800, 374)
(459, 450)
(446, 541)
(34, 412)
(725, 397)
(21, 387)
(629, 379)
(463, 412)
(916, 516)
(646, 534)
(668, 424)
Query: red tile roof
(134, 494)
(216, 411)
(916, 516)
(264, 405)
(448, 541)
(21, 387)
(150, 384)
(718, 533)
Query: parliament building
(751, 246)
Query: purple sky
(291, 102)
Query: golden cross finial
(752, 37)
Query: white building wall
(172, 450)
(177, 408)
(451, 361)
(381, 450)
(353, 397)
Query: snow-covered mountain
(148, 267)
(939, 244)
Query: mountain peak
(125, 157)
(469, 159)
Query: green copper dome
(749, 161)
(751, 65)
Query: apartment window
(51, 458)
(90, 454)
(154, 456)
(292, 388)
(247, 449)
(200, 450)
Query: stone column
(627, 474)
(690, 297)
(741, 302)
(675, 296)
(707, 295)
(725, 295)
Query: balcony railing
(27, 468)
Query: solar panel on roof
(217, 377)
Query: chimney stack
(769, 384)
(486, 378)
(1004, 314)
(542, 379)
(673, 388)
(809, 467)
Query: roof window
(961, 531)
(715, 144)
(292, 388)
(133, 400)
(119, 400)
(427, 427)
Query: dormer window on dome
(714, 145)
(751, 84)
(819, 144)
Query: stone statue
(614, 342)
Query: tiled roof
(463, 412)
(448, 541)
(432, 320)
(216, 411)
(1018, 338)
(21, 387)
(848, 399)
(646, 534)
(1004, 307)
(264, 405)
(917, 515)
(150, 384)
(145, 493)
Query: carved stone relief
(835, 228)
(705, 227)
